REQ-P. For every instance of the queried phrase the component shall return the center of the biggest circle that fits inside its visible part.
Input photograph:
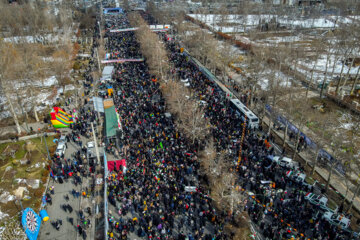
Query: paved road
(55, 212)
(68, 231)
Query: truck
(286, 162)
(302, 178)
(321, 201)
(336, 219)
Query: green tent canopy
(111, 122)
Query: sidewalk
(11, 130)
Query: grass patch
(37, 156)
(20, 154)
(40, 144)
(2, 147)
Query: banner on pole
(190, 189)
(122, 60)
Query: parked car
(90, 145)
(90, 150)
(62, 139)
(60, 150)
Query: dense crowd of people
(123, 45)
(282, 212)
(149, 198)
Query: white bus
(242, 111)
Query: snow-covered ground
(33, 39)
(320, 65)
(47, 91)
(3, 215)
(239, 23)
(280, 79)
(242, 23)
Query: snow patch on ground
(20, 180)
(69, 87)
(243, 23)
(32, 39)
(51, 81)
(33, 183)
(6, 197)
(347, 126)
(3, 215)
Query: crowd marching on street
(148, 198)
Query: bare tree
(193, 123)
(62, 65)
(8, 59)
(254, 71)
(328, 46)
(339, 151)
(321, 133)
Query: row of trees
(336, 46)
(190, 120)
(23, 71)
(29, 56)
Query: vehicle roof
(286, 159)
(241, 106)
(340, 217)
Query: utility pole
(47, 149)
(96, 146)
(23, 113)
(98, 60)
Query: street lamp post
(47, 149)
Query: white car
(90, 145)
(62, 139)
(90, 150)
(337, 219)
(60, 150)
